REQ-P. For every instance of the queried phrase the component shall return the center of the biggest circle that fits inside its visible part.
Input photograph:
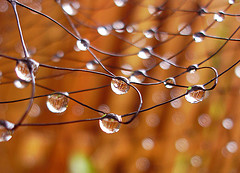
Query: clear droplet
(232, 146)
(149, 33)
(6, 130)
(131, 28)
(231, 1)
(110, 123)
(120, 85)
(83, 44)
(127, 69)
(20, 83)
(118, 26)
(237, 71)
(184, 29)
(227, 123)
(219, 17)
(169, 82)
(91, 65)
(22, 69)
(120, 3)
(71, 8)
(192, 68)
(57, 102)
(138, 76)
(199, 37)
(195, 94)
(144, 53)
(104, 30)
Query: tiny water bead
(110, 123)
(195, 94)
(199, 37)
(83, 44)
(118, 26)
(192, 68)
(6, 130)
(144, 53)
(227, 123)
(169, 82)
(120, 85)
(138, 76)
(24, 68)
(149, 33)
(231, 2)
(57, 102)
(219, 17)
(20, 84)
(104, 30)
(120, 3)
(91, 65)
(71, 8)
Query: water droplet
(128, 70)
(232, 146)
(131, 28)
(155, 11)
(83, 44)
(231, 1)
(22, 69)
(147, 144)
(104, 30)
(199, 36)
(120, 85)
(169, 82)
(91, 65)
(227, 123)
(195, 94)
(192, 68)
(182, 145)
(57, 102)
(237, 71)
(204, 120)
(219, 17)
(110, 123)
(161, 36)
(149, 33)
(184, 29)
(138, 76)
(120, 3)
(196, 161)
(6, 130)
(71, 8)
(118, 26)
(202, 11)
(20, 83)
(144, 53)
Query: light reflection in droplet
(147, 144)
(227, 123)
(184, 29)
(110, 123)
(182, 145)
(219, 17)
(120, 85)
(128, 68)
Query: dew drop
(184, 29)
(20, 83)
(83, 44)
(57, 102)
(196, 161)
(237, 71)
(149, 33)
(144, 53)
(127, 69)
(118, 26)
(91, 65)
(169, 82)
(71, 8)
(147, 144)
(138, 76)
(219, 17)
(232, 146)
(195, 94)
(231, 1)
(161, 36)
(227, 123)
(22, 69)
(182, 145)
(192, 68)
(199, 37)
(110, 123)
(6, 130)
(120, 3)
(120, 85)
(104, 30)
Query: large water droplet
(169, 82)
(104, 30)
(120, 3)
(120, 85)
(144, 53)
(118, 26)
(57, 102)
(110, 123)
(20, 83)
(199, 37)
(23, 68)
(138, 76)
(195, 94)
(83, 44)
(6, 130)
(219, 17)
(71, 8)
